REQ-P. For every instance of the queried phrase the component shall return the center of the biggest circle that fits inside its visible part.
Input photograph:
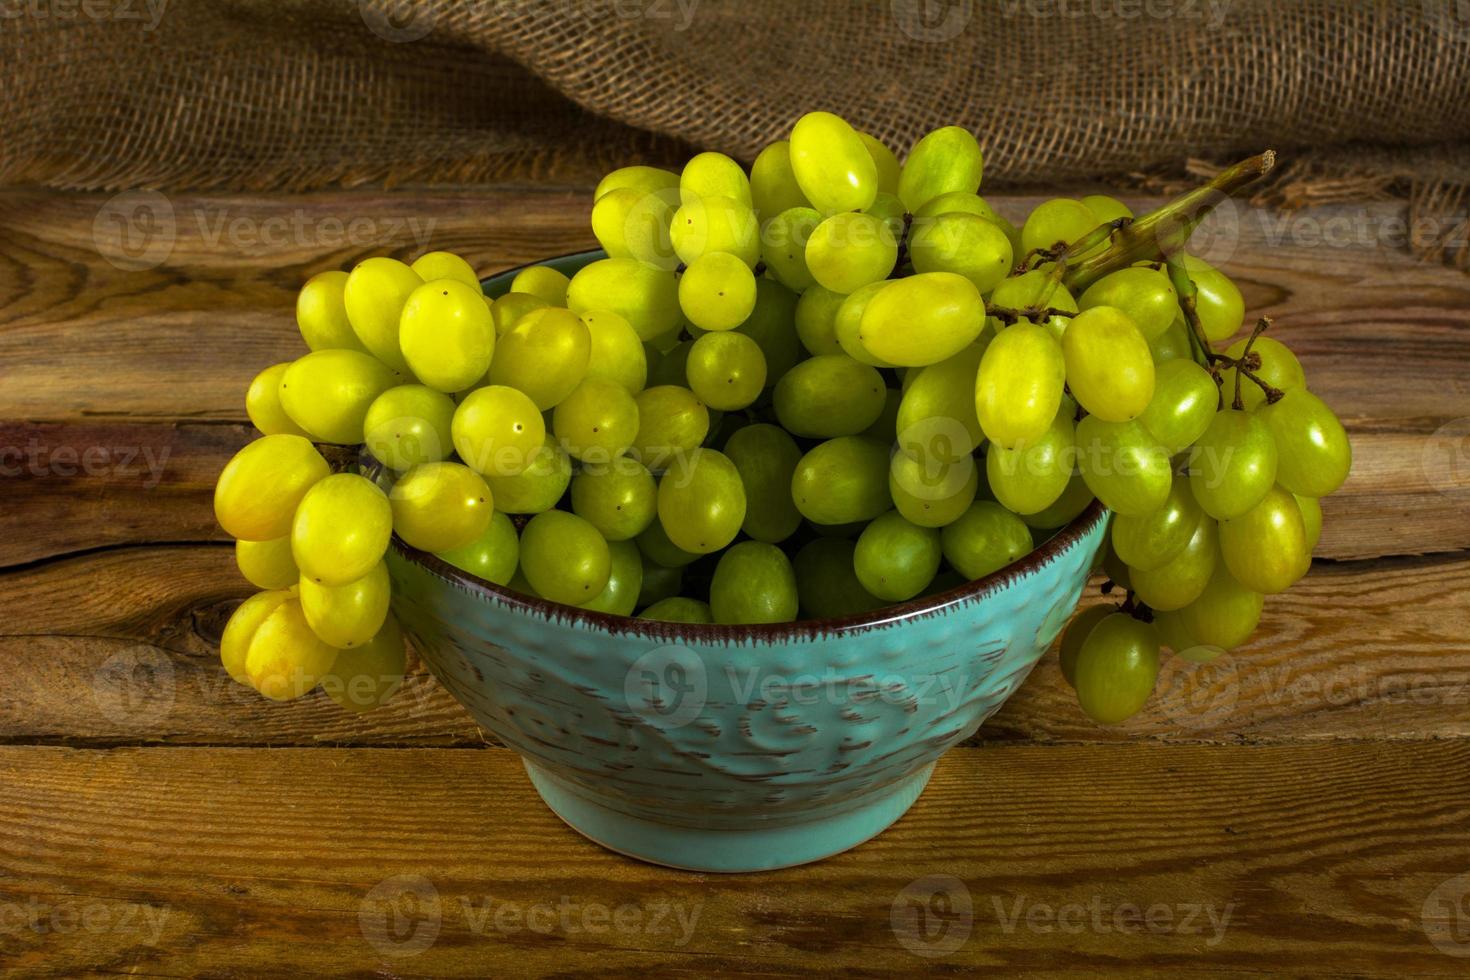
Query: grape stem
(1035, 314)
(903, 246)
(1246, 365)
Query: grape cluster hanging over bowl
(830, 385)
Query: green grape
(714, 175)
(1279, 368)
(832, 164)
(849, 324)
(447, 334)
(827, 582)
(1150, 541)
(717, 291)
(1110, 370)
(896, 559)
(263, 403)
(1174, 635)
(619, 499)
(1311, 509)
(716, 224)
(373, 297)
(286, 659)
(542, 281)
(816, 320)
(943, 161)
(234, 643)
(1072, 502)
(564, 558)
(1036, 289)
(783, 245)
(771, 326)
(931, 491)
(348, 615)
(624, 580)
(850, 249)
(671, 423)
(1106, 208)
(936, 415)
(966, 202)
(1185, 402)
(497, 430)
(446, 265)
(773, 186)
(507, 311)
(365, 678)
(1315, 455)
(986, 538)
(753, 583)
(841, 481)
(1143, 293)
(1218, 302)
(1058, 221)
(672, 368)
(656, 547)
(545, 355)
(888, 209)
(922, 319)
(1172, 344)
(1181, 579)
(645, 296)
(659, 583)
(341, 529)
(1031, 477)
(1226, 613)
(677, 609)
(766, 457)
(493, 556)
(408, 425)
(830, 395)
(726, 371)
(256, 495)
(701, 502)
(616, 354)
(644, 179)
(327, 393)
(439, 507)
(1117, 668)
(1266, 547)
(1019, 385)
(1076, 634)
(1123, 465)
(885, 426)
(267, 564)
(1113, 566)
(632, 223)
(597, 422)
(884, 163)
(964, 244)
(1233, 464)
(321, 314)
(539, 486)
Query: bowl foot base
(759, 849)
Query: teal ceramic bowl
(736, 748)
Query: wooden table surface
(1302, 806)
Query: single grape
(1117, 668)
(545, 355)
(773, 186)
(620, 499)
(1076, 634)
(256, 495)
(772, 326)
(714, 174)
(267, 564)
(234, 643)
(678, 609)
(1019, 386)
(1173, 343)
(896, 559)
(1184, 404)
(1218, 302)
(922, 319)
(936, 417)
(671, 423)
(493, 556)
(365, 678)
(1072, 502)
(1142, 293)
(1056, 222)
(539, 486)
(263, 403)
(1266, 547)
(766, 457)
(1110, 370)
(717, 291)
(827, 396)
(1233, 464)
(373, 297)
(1181, 579)
(645, 296)
(1036, 289)
(645, 180)
(827, 582)
(446, 265)
(1106, 208)
(656, 547)
(341, 529)
(616, 354)
(542, 281)
(966, 202)
(439, 507)
(783, 245)
(1315, 455)
(327, 393)
(816, 320)
(831, 164)
(447, 334)
(634, 224)
(1279, 368)
(701, 502)
(986, 538)
(884, 162)
(409, 424)
(497, 431)
(1174, 635)
(624, 580)
(753, 583)
(321, 314)
(351, 614)
(1225, 614)
(1150, 541)
(564, 558)
(286, 659)
(943, 161)
(851, 249)
(507, 311)
(1311, 509)
(841, 481)
(1031, 477)
(848, 325)
(964, 244)
(659, 583)
(597, 422)
(727, 371)
(706, 225)
(1123, 465)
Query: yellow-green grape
(646, 180)
(659, 583)
(632, 223)
(286, 659)
(714, 175)
(1019, 385)
(507, 311)
(965, 244)
(1266, 547)
(1061, 220)
(341, 529)
(493, 556)
(624, 581)
(701, 502)
(1225, 614)
(678, 609)
(772, 326)
(717, 291)
(884, 162)
(830, 395)
(1173, 343)
(447, 334)
(348, 615)
(263, 403)
(773, 186)
(373, 296)
(716, 224)
(234, 643)
(848, 325)
(1181, 579)
(1311, 509)
(259, 488)
(1151, 540)
(922, 319)
(408, 425)
(1315, 453)
(1036, 289)
(545, 355)
(943, 161)
(1184, 404)
(564, 557)
(1110, 369)
(849, 250)
(753, 583)
(984, 539)
(327, 393)
(1073, 501)
(1279, 368)
(816, 320)
(597, 422)
(1143, 293)
(932, 492)
(648, 298)
(1076, 634)
(656, 547)
(841, 481)
(726, 371)
(765, 456)
(1218, 302)
(497, 430)
(267, 564)
(831, 163)
(1174, 635)
(671, 423)
(365, 678)
(617, 354)
(890, 210)
(620, 499)
(446, 265)
(542, 281)
(936, 416)
(321, 314)
(1032, 476)
(783, 245)
(1106, 208)
(1233, 464)
(966, 202)
(518, 584)
(539, 486)
(1123, 465)
(1117, 668)
(896, 559)
(440, 506)
(827, 583)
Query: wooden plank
(1299, 860)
